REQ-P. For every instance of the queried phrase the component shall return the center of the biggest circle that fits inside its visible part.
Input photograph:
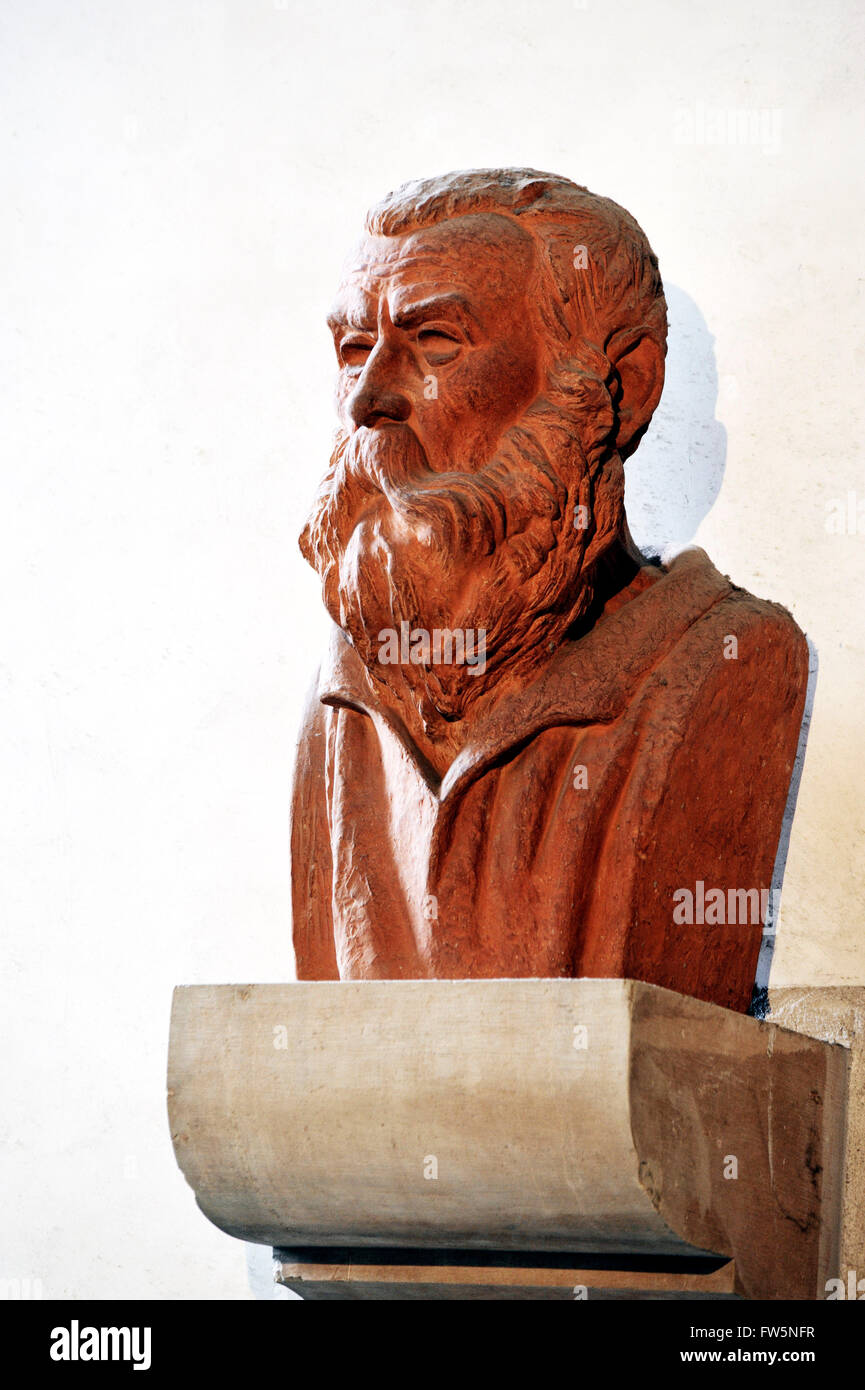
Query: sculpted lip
(368, 435)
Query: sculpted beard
(508, 549)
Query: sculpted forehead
(484, 257)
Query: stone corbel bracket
(579, 1117)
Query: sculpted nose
(378, 394)
(368, 404)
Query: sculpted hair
(600, 276)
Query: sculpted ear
(635, 383)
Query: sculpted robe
(643, 759)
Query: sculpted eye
(438, 344)
(353, 352)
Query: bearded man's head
(500, 336)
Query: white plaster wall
(180, 182)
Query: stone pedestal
(511, 1139)
(837, 1015)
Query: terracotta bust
(530, 751)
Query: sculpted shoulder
(744, 641)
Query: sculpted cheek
(521, 369)
(503, 383)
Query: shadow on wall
(760, 1006)
(671, 484)
(672, 480)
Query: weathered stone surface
(359, 1280)
(527, 741)
(592, 1116)
(837, 1015)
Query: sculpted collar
(587, 681)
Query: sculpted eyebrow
(454, 304)
(346, 318)
(428, 308)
